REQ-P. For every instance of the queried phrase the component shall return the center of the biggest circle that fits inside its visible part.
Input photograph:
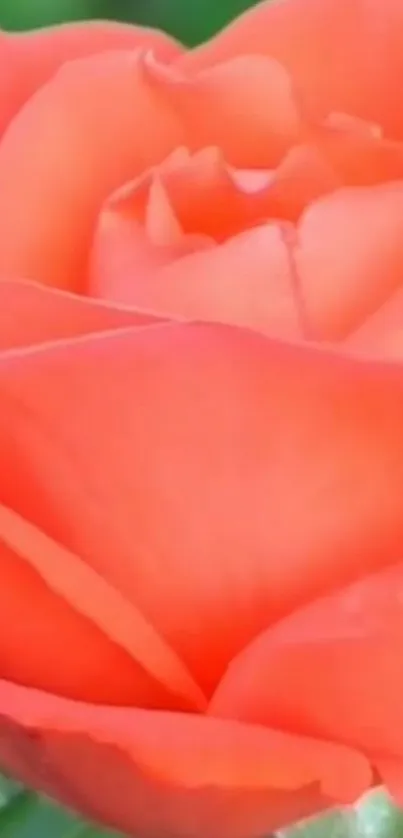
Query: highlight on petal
(31, 313)
(97, 123)
(173, 774)
(344, 55)
(30, 59)
(382, 333)
(200, 516)
(332, 669)
(349, 256)
(111, 654)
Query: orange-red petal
(332, 669)
(206, 471)
(29, 59)
(182, 776)
(65, 630)
(344, 55)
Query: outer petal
(206, 471)
(29, 59)
(97, 123)
(110, 653)
(168, 774)
(345, 55)
(31, 313)
(333, 669)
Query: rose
(201, 523)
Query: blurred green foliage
(25, 815)
(189, 20)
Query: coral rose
(201, 401)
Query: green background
(22, 813)
(189, 20)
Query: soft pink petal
(97, 123)
(344, 55)
(31, 313)
(29, 59)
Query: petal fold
(180, 776)
(343, 55)
(332, 668)
(98, 122)
(189, 517)
(31, 58)
(113, 654)
(31, 313)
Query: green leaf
(24, 814)
(375, 816)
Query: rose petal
(206, 471)
(97, 123)
(31, 313)
(111, 654)
(123, 257)
(381, 334)
(173, 775)
(246, 282)
(345, 55)
(247, 107)
(303, 175)
(31, 58)
(171, 266)
(349, 256)
(198, 195)
(357, 151)
(332, 669)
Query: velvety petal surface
(97, 123)
(382, 333)
(110, 653)
(349, 256)
(275, 474)
(154, 247)
(333, 669)
(344, 55)
(247, 106)
(180, 776)
(31, 313)
(247, 281)
(29, 59)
